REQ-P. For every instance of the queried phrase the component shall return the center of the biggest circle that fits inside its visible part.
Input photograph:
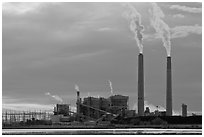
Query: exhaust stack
(78, 101)
(140, 85)
(168, 88)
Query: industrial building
(96, 107)
(62, 109)
(118, 104)
(62, 113)
(97, 103)
(93, 108)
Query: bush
(146, 123)
(135, 121)
(158, 121)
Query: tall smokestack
(168, 88)
(137, 28)
(163, 31)
(140, 85)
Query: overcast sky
(50, 47)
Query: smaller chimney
(78, 95)
(184, 110)
(78, 104)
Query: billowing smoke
(76, 87)
(111, 87)
(73, 109)
(134, 18)
(153, 107)
(54, 97)
(161, 27)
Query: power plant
(114, 111)
(106, 112)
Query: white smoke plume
(134, 18)
(153, 107)
(111, 87)
(54, 97)
(76, 87)
(161, 27)
(73, 108)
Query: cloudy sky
(50, 47)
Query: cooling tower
(140, 85)
(168, 88)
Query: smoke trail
(73, 108)
(76, 87)
(54, 96)
(153, 107)
(134, 18)
(161, 27)
(111, 88)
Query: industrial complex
(113, 110)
